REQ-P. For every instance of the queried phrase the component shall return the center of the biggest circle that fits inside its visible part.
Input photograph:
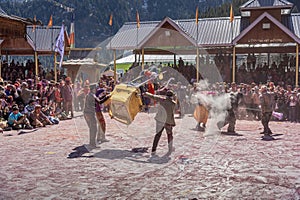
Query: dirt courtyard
(45, 164)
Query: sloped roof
(212, 31)
(255, 4)
(3, 14)
(44, 38)
(129, 36)
(82, 62)
(175, 25)
(272, 19)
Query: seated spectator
(30, 107)
(38, 118)
(17, 121)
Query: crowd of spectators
(16, 70)
(26, 104)
(287, 96)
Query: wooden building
(264, 27)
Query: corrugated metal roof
(129, 36)
(212, 31)
(265, 3)
(2, 12)
(295, 18)
(43, 37)
(11, 17)
(79, 62)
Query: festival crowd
(26, 104)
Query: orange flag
(137, 19)
(197, 15)
(34, 23)
(231, 14)
(50, 23)
(110, 22)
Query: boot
(170, 147)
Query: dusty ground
(36, 165)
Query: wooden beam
(197, 65)
(115, 67)
(55, 69)
(233, 65)
(36, 67)
(297, 66)
(143, 58)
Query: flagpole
(297, 65)
(197, 60)
(55, 69)
(197, 46)
(0, 62)
(115, 67)
(36, 60)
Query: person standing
(89, 113)
(267, 102)
(101, 121)
(164, 118)
(67, 96)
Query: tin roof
(44, 38)
(3, 14)
(129, 36)
(265, 4)
(212, 32)
(82, 62)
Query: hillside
(92, 16)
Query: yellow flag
(50, 23)
(197, 15)
(137, 19)
(34, 23)
(110, 22)
(231, 14)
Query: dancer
(164, 119)
(101, 121)
(267, 103)
(89, 113)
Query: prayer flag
(137, 19)
(72, 33)
(110, 22)
(34, 23)
(231, 14)
(197, 15)
(50, 23)
(60, 44)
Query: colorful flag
(34, 23)
(231, 14)
(60, 44)
(110, 22)
(137, 19)
(197, 15)
(72, 33)
(50, 23)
